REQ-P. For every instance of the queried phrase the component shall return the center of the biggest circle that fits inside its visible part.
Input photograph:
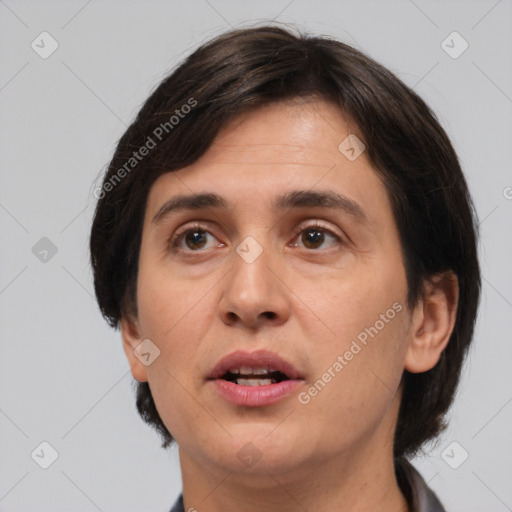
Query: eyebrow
(291, 200)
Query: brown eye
(317, 237)
(312, 238)
(192, 239)
(195, 239)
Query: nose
(253, 295)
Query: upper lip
(257, 359)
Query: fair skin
(306, 297)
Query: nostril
(270, 315)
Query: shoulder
(178, 505)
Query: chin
(259, 450)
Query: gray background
(64, 378)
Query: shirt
(419, 496)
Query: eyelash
(178, 236)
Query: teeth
(255, 382)
(246, 370)
(251, 370)
(259, 371)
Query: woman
(286, 240)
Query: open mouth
(247, 376)
(255, 379)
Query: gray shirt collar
(420, 497)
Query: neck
(344, 483)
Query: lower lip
(255, 396)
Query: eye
(191, 239)
(195, 238)
(314, 237)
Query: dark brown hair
(245, 69)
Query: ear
(131, 339)
(433, 319)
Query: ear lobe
(433, 322)
(131, 339)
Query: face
(275, 278)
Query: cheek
(172, 307)
(337, 307)
(351, 405)
(362, 341)
(175, 314)
(368, 363)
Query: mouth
(254, 379)
(254, 376)
(249, 368)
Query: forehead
(299, 131)
(274, 149)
